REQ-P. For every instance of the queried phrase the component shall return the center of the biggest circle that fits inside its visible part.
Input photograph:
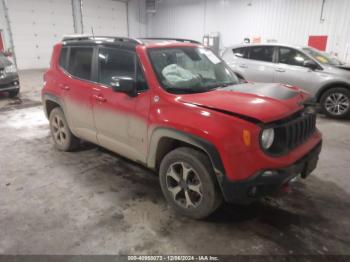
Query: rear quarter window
(80, 62)
(240, 52)
(63, 58)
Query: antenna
(92, 32)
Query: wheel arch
(330, 86)
(164, 140)
(50, 102)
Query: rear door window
(63, 58)
(80, 62)
(240, 52)
(261, 53)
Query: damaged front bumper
(267, 182)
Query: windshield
(322, 57)
(190, 69)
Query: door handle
(100, 98)
(280, 70)
(64, 87)
(243, 65)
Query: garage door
(106, 17)
(36, 26)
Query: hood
(257, 102)
(345, 67)
(342, 71)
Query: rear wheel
(188, 183)
(335, 102)
(61, 134)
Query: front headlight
(10, 69)
(267, 138)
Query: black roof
(129, 43)
(157, 39)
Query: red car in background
(175, 107)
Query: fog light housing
(252, 192)
(269, 173)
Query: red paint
(179, 112)
(286, 188)
(262, 108)
(318, 41)
(2, 48)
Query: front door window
(291, 56)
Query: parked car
(9, 81)
(325, 77)
(178, 109)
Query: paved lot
(95, 202)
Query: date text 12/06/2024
(173, 258)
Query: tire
(199, 185)
(335, 103)
(13, 93)
(62, 136)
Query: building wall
(105, 17)
(137, 20)
(36, 25)
(287, 21)
(3, 26)
(178, 18)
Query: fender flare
(204, 145)
(50, 97)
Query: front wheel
(335, 103)
(188, 183)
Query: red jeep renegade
(175, 107)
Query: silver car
(325, 77)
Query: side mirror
(241, 80)
(123, 84)
(310, 64)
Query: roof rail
(171, 39)
(91, 37)
(75, 37)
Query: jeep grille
(292, 132)
(299, 130)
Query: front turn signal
(246, 137)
